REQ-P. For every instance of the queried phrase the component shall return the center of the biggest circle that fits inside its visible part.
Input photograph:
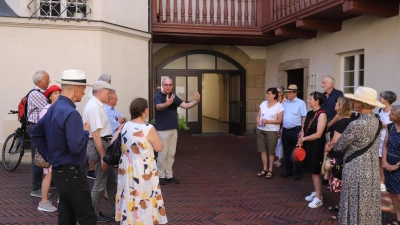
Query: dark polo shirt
(166, 119)
(329, 103)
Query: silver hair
(281, 88)
(331, 80)
(105, 77)
(38, 76)
(396, 109)
(167, 78)
(389, 96)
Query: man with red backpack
(36, 101)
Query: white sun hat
(366, 95)
(73, 77)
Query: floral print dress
(139, 200)
(360, 197)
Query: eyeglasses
(168, 85)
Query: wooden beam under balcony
(295, 33)
(315, 24)
(368, 7)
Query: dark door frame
(240, 70)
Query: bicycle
(13, 148)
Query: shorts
(266, 141)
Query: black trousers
(75, 200)
(289, 141)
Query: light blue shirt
(113, 115)
(293, 113)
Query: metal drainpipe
(150, 57)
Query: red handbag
(298, 154)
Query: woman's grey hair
(38, 76)
(280, 88)
(105, 77)
(329, 78)
(396, 109)
(389, 96)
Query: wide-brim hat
(292, 87)
(298, 154)
(326, 165)
(51, 89)
(73, 77)
(366, 95)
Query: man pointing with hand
(166, 104)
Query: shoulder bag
(114, 152)
(337, 169)
(39, 161)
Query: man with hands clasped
(166, 104)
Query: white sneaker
(279, 164)
(383, 187)
(312, 196)
(276, 162)
(315, 203)
(47, 207)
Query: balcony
(256, 22)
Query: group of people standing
(67, 140)
(328, 130)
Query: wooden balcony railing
(208, 12)
(282, 8)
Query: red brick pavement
(218, 186)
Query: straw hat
(366, 95)
(326, 165)
(292, 87)
(73, 77)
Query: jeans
(37, 172)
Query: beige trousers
(166, 157)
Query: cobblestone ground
(218, 186)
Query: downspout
(150, 60)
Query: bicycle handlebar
(13, 112)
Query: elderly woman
(279, 147)
(391, 160)
(360, 197)
(313, 140)
(387, 98)
(268, 121)
(51, 94)
(343, 108)
(139, 199)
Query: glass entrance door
(236, 104)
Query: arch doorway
(221, 82)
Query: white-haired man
(36, 101)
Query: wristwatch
(398, 164)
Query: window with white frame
(61, 9)
(352, 71)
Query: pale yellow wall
(378, 37)
(126, 13)
(210, 96)
(95, 47)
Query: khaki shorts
(267, 140)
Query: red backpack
(23, 107)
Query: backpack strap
(26, 105)
(362, 151)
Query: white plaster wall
(210, 98)
(378, 37)
(29, 45)
(126, 13)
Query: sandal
(394, 222)
(262, 173)
(333, 208)
(269, 175)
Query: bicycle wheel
(12, 152)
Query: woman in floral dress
(139, 200)
(360, 197)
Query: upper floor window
(53, 9)
(352, 71)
